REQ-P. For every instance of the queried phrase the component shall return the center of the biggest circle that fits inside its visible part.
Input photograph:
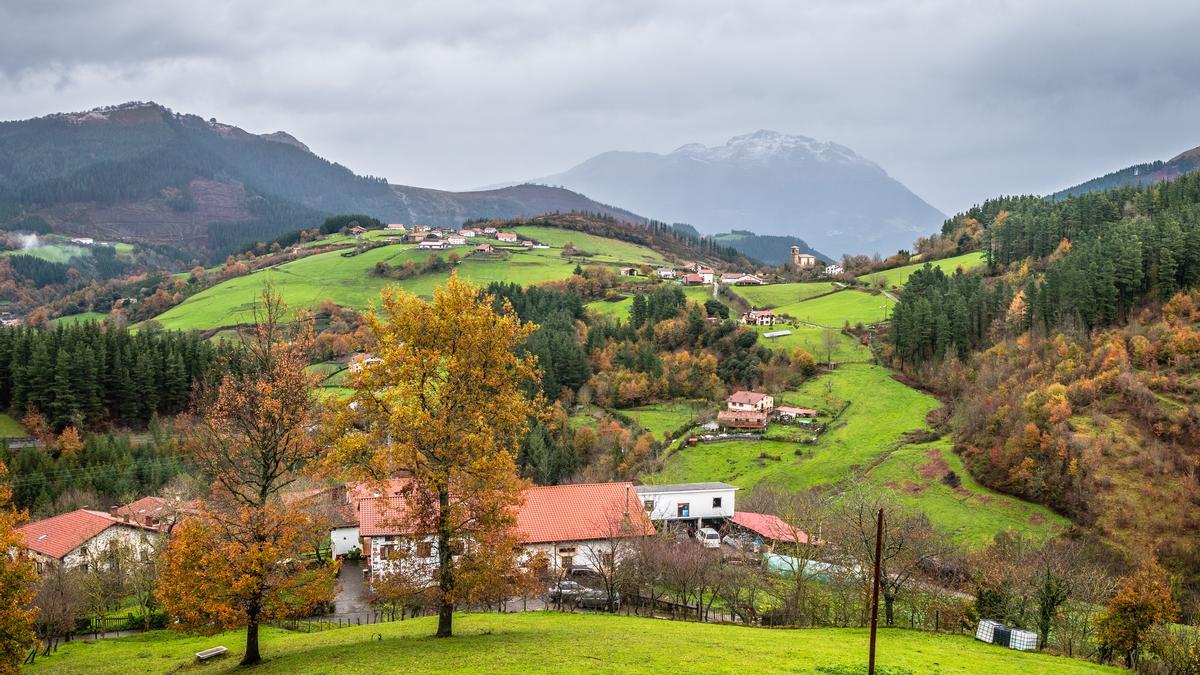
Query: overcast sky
(958, 100)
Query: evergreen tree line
(1098, 255)
(40, 272)
(82, 375)
(562, 360)
(111, 468)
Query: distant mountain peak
(767, 145)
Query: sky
(958, 100)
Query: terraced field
(812, 340)
(778, 296)
(844, 307)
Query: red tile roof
(769, 527)
(748, 419)
(801, 412)
(580, 512)
(747, 397)
(550, 514)
(58, 536)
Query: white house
(395, 227)
(706, 275)
(456, 240)
(759, 317)
(83, 241)
(750, 401)
(467, 232)
(740, 279)
(434, 245)
(665, 273)
(688, 501)
(834, 270)
(77, 539)
(506, 236)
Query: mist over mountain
(141, 172)
(767, 182)
(1138, 174)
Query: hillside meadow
(557, 642)
(865, 444)
(895, 278)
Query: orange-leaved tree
(447, 405)
(1143, 602)
(17, 586)
(239, 559)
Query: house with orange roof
(750, 401)
(78, 538)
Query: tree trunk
(889, 605)
(252, 656)
(445, 568)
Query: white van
(708, 537)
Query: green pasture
(896, 277)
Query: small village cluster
(436, 239)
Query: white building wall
(700, 504)
(343, 539)
(134, 537)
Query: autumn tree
(1143, 602)
(17, 587)
(447, 405)
(234, 562)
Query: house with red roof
(154, 511)
(742, 419)
(759, 317)
(573, 526)
(76, 539)
(506, 236)
(764, 528)
(750, 401)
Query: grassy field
(970, 512)
(618, 309)
(82, 317)
(661, 419)
(840, 308)
(812, 340)
(896, 277)
(11, 428)
(348, 281)
(603, 250)
(56, 253)
(781, 295)
(866, 444)
(557, 642)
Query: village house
(703, 503)
(484, 248)
(456, 240)
(506, 236)
(764, 530)
(834, 270)
(467, 232)
(358, 230)
(692, 279)
(489, 231)
(629, 271)
(153, 511)
(742, 419)
(83, 241)
(395, 227)
(665, 273)
(422, 228)
(574, 526)
(750, 401)
(434, 245)
(740, 279)
(706, 275)
(527, 244)
(413, 238)
(362, 360)
(759, 317)
(77, 538)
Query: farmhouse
(484, 248)
(467, 232)
(357, 230)
(83, 241)
(527, 244)
(765, 529)
(750, 401)
(489, 231)
(434, 245)
(706, 275)
(506, 236)
(413, 238)
(740, 279)
(363, 360)
(456, 240)
(665, 273)
(697, 502)
(152, 511)
(692, 279)
(74, 539)
(629, 271)
(574, 526)
(834, 270)
(742, 419)
(422, 228)
(759, 317)
(396, 227)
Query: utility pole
(875, 590)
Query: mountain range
(767, 182)
(141, 172)
(1138, 174)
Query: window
(424, 549)
(683, 510)
(82, 550)
(83, 568)
(716, 502)
(649, 504)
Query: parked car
(708, 537)
(596, 599)
(566, 591)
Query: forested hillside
(141, 172)
(1078, 354)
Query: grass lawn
(56, 253)
(780, 295)
(700, 294)
(348, 280)
(896, 277)
(557, 642)
(661, 419)
(618, 309)
(82, 317)
(812, 339)
(11, 428)
(865, 445)
(839, 308)
(604, 250)
(970, 513)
